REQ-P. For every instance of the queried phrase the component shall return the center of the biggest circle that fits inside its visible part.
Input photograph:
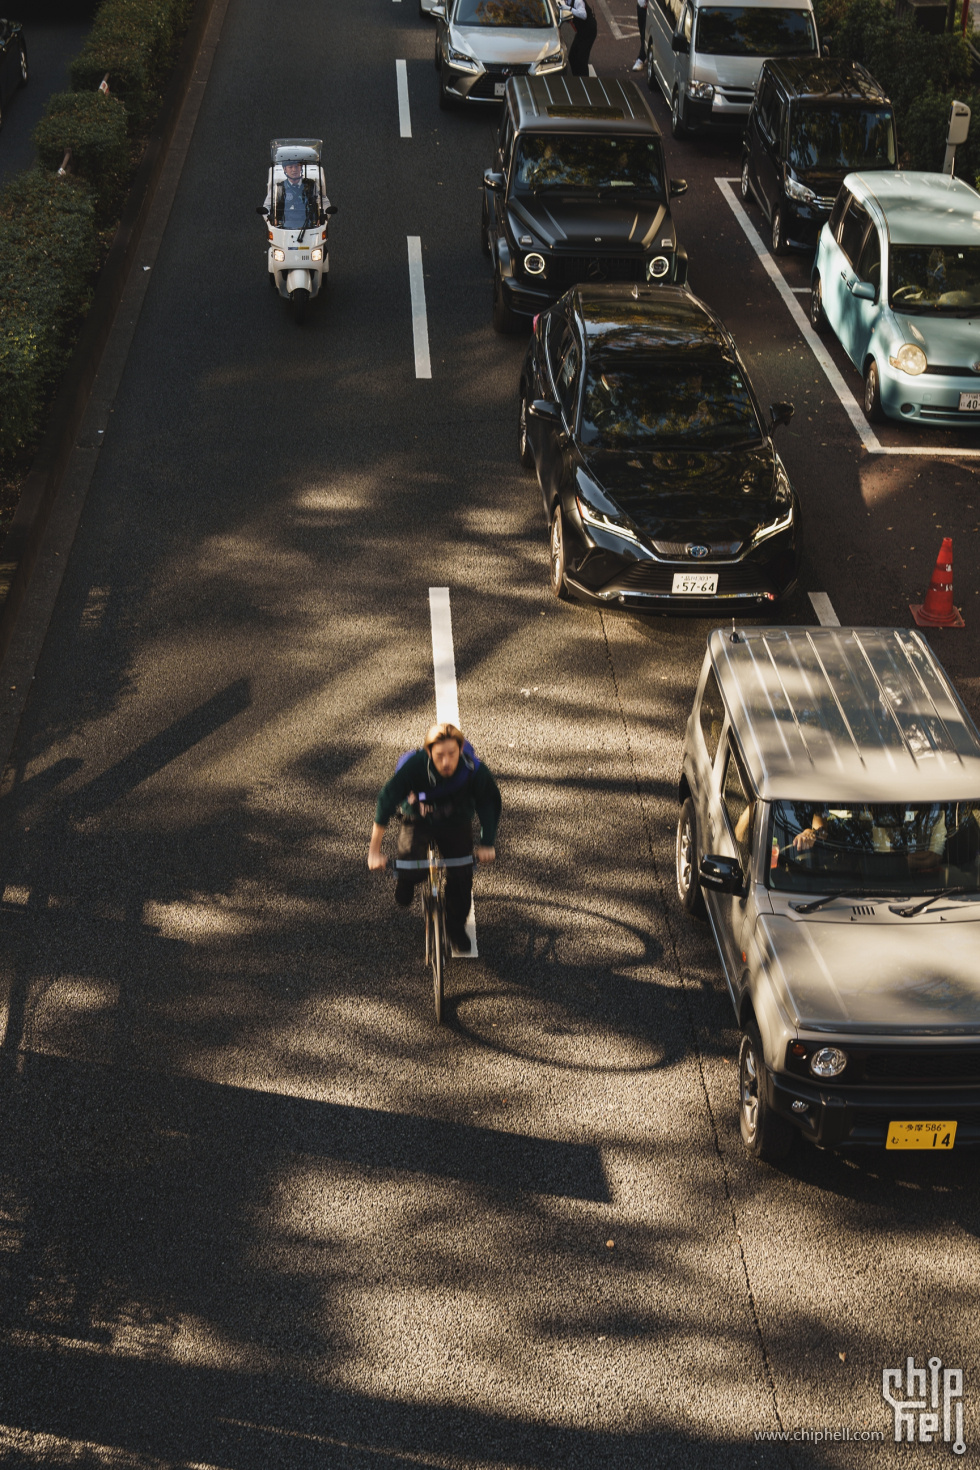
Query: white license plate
(499, 88)
(970, 402)
(695, 584)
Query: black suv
(812, 122)
(578, 192)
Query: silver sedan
(480, 43)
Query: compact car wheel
(504, 320)
(688, 885)
(873, 411)
(556, 549)
(525, 451)
(746, 187)
(677, 128)
(818, 317)
(764, 1133)
(780, 245)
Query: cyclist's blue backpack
(470, 760)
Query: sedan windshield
(903, 847)
(730, 30)
(520, 14)
(847, 138)
(940, 279)
(668, 403)
(632, 167)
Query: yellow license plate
(921, 1135)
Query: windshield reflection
(944, 279)
(519, 14)
(728, 30)
(632, 167)
(841, 138)
(668, 403)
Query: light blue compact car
(897, 277)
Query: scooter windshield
(295, 202)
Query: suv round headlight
(829, 1061)
(534, 264)
(909, 359)
(657, 268)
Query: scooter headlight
(316, 253)
(278, 254)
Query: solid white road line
(824, 610)
(447, 697)
(404, 116)
(420, 326)
(847, 400)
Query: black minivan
(812, 123)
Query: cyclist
(438, 790)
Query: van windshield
(839, 137)
(759, 30)
(943, 280)
(520, 14)
(892, 847)
(617, 165)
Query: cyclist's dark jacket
(448, 803)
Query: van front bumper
(858, 1117)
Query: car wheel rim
(745, 179)
(684, 861)
(871, 388)
(523, 426)
(815, 304)
(750, 1091)
(675, 110)
(777, 229)
(556, 553)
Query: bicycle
(434, 914)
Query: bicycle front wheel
(437, 956)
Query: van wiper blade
(910, 910)
(818, 903)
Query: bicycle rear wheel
(437, 955)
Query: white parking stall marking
(420, 325)
(592, 70)
(846, 398)
(823, 607)
(611, 21)
(447, 696)
(404, 115)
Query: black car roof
(616, 317)
(826, 79)
(563, 104)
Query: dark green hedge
(47, 261)
(93, 126)
(133, 41)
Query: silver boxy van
(830, 830)
(707, 56)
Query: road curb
(19, 553)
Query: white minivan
(707, 57)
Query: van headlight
(797, 191)
(909, 359)
(701, 91)
(278, 254)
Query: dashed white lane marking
(846, 398)
(404, 115)
(823, 607)
(447, 696)
(420, 326)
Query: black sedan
(13, 60)
(657, 468)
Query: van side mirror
(493, 181)
(438, 12)
(722, 875)
(680, 44)
(677, 188)
(780, 413)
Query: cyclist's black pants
(457, 841)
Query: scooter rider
(293, 202)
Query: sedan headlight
(797, 191)
(316, 253)
(829, 1061)
(701, 91)
(783, 498)
(909, 359)
(557, 58)
(461, 59)
(278, 254)
(603, 522)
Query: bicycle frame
(437, 947)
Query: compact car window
(608, 164)
(521, 14)
(668, 403)
(738, 806)
(728, 30)
(566, 384)
(711, 715)
(829, 137)
(942, 280)
(869, 266)
(894, 847)
(767, 96)
(852, 231)
(837, 213)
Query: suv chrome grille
(683, 548)
(647, 576)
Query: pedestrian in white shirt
(583, 19)
(641, 21)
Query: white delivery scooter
(296, 209)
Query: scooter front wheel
(300, 300)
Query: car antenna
(734, 638)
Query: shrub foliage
(93, 126)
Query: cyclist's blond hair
(443, 731)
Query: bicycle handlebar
(460, 862)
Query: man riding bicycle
(439, 789)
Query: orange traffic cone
(938, 611)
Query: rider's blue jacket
(470, 791)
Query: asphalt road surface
(257, 1210)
